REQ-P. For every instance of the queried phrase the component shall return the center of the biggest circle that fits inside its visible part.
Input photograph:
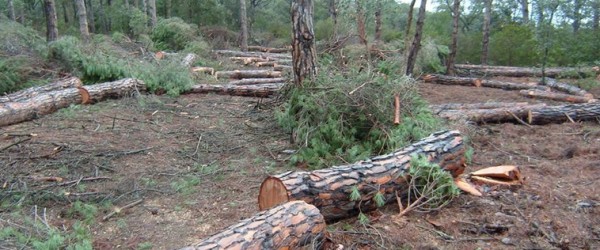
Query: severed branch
(119, 209)
(396, 109)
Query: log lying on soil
(47, 102)
(270, 50)
(533, 93)
(248, 60)
(207, 70)
(239, 74)
(257, 90)
(485, 105)
(282, 67)
(484, 70)
(532, 114)
(329, 189)
(252, 81)
(21, 95)
(289, 226)
(567, 88)
(477, 82)
(253, 54)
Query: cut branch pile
(31, 103)
(292, 225)
(329, 189)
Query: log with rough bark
(266, 64)
(565, 87)
(483, 70)
(47, 102)
(532, 114)
(253, 81)
(71, 82)
(240, 74)
(534, 93)
(329, 189)
(248, 60)
(253, 54)
(478, 82)
(282, 67)
(257, 90)
(485, 105)
(292, 225)
(269, 50)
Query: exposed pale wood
(248, 60)
(292, 225)
(478, 82)
(533, 93)
(329, 189)
(239, 74)
(257, 90)
(396, 109)
(252, 81)
(483, 70)
(208, 70)
(42, 103)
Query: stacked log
(478, 82)
(556, 96)
(329, 189)
(240, 74)
(289, 226)
(253, 54)
(253, 81)
(484, 70)
(256, 90)
(45, 100)
(567, 88)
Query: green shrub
(332, 126)
(391, 35)
(324, 29)
(169, 76)
(138, 23)
(198, 47)
(431, 57)
(173, 34)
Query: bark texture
(152, 13)
(22, 95)
(51, 20)
(478, 82)
(253, 81)
(453, 45)
(567, 88)
(292, 225)
(555, 96)
(83, 23)
(484, 70)
(304, 54)
(267, 55)
(269, 50)
(329, 189)
(416, 44)
(243, 26)
(257, 90)
(32, 104)
(239, 74)
(487, 17)
(378, 22)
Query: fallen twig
(119, 209)
(15, 143)
(77, 181)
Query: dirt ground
(197, 162)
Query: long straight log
(565, 87)
(248, 60)
(490, 115)
(484, 70)
(257, 90)
(47, 102)
(329, 189)
(467, 106)
(253, 81)
(533, 93)
(478, 82)
(239, 74)
(253, 54)
(292, 225)
(270, 50)
(21, 95)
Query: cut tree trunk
(292, 225)
(329, 189)
(533, 114)
(22, 95)
(478, 82)
(269, 50)
(483, 70)
(43, 103)
(253, 54)
(258, 90)
(532, 93)
(253, 81)
(248, 60)
(239, 74)
(485, 105)
(565, 87)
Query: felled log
(478, 82)
(257, 90)
(266, 64)
(21, 95)
(329, 189)
(253, 54)
(207, 70)
(282, 67)
(532, 114)
(239, 74)
(565, 87)
(484, 70)
(252, 81)
(270, 50)
(533, 93)
(188, 60)
(289, 226)
(248, 60)
(47, 102)
(485, 105)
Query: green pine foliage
(174, 34)
(344, 117)
(432, 182)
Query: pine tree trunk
(91, 16)
(329, 189)
(243, 26)
(103, 18)
(333, 15)
(416, 44)
(486, 32)
(378, 21)
(11, 10)
(409, 20)
(152, 13)
(65, 12)
(577, 5)
(360, 23)
(51, 20)
(452, 55)
(83, 23)
(304, 53)
(525, 11)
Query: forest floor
(197, 162)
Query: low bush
(173, 34)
